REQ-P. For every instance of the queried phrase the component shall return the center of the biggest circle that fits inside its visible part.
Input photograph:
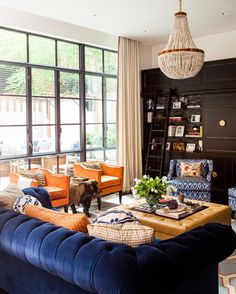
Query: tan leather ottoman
(166, 228)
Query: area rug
(227, 272)
(227, 268)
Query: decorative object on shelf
(193, 132)
(149, 117)
(160, 119)
(179, 146)
(195, 118)
(168, 146)
(183, 99)
(176, 105)
(179, 132)
(154, 144)
(150, 104)
(181, 59)
(190, 147)
(200, 145)
(222, 123)
(150, 188)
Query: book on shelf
(171, 131)
(175, 118)
(160, 106)
(193, 135)
(200, 131)
(193, 106)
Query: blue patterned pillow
(22, 201)
(115, 217)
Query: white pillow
(24, 182)
(22, 201)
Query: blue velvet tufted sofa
(40, 258)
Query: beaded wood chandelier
(181, 59)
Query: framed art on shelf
(176, 105)
(190, 147)
(195, 118)
(179, 146)
(179, 132)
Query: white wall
(17, 19)
(216, 47)
(145, 56)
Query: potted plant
(153, 189)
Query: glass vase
(151, 199)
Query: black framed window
(57, 102)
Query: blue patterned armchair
(232, 200)
(198, 188)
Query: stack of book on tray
(182, 211)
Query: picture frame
(179, 146)
(179, 132)
(195, 118)
(168, 146)
(176, 105)
(200, 147)
(190, 147)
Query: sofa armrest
(92, 174)
(112, 170)
(189, 254)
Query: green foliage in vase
(148, 187)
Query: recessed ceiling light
(224, 13)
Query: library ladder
(156, 152)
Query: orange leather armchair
(109, 178)
(57, 185)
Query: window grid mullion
(81, 71)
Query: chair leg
(120, 196)
(99, 202)
(73, 208)
(66, 208)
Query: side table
(82, 190)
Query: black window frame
(82, 73)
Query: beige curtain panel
(128, 112)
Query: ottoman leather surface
(166, 228)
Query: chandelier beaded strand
(181, 59)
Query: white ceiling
(131, 18)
